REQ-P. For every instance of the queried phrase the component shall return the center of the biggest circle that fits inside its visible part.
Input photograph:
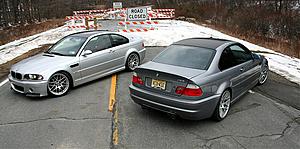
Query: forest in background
(275, 23)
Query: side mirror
(87, 52)
(255, 56)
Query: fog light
(30, 90)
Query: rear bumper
(194, 110)
(29, 88)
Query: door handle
(242, 69)
(112, 51)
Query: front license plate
(159, 84)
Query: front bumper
(194, 110)
(29, 88)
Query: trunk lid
(171, 76)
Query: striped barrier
(97, 11)
(160, 10)
(79, 17)
(136, 30)
(81, 26)
(138, 23)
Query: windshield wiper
(56, 53)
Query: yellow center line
(112, 101)
(112, 95)
(116, 129)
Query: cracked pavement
(266, 117)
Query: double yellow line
(112, 101)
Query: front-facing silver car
(198, 78)
(74, 60)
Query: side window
(240, 54)
(98, 43)
(118, 40)
(226, 60)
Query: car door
(244, 62)
(253, 67)
(119, 49)
(230, 71)
(99, 61)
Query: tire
(59, 84)
(133, 60)
(223, 106)
(263, 75)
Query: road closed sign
(137, 14)
(117, 5)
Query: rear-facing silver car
(198, 78)
(76, 59)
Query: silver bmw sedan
(74, 60)
(198, 78)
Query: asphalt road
(266, 117)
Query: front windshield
(67, 46)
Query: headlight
(33, 77)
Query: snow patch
(167, 32)
(16, 48)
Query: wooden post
(95, 23)
(87, 24)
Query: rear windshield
(186, 56)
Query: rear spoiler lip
(184, 77)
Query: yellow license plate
(159, 84)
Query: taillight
(136, 79)
(189, 90)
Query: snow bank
(167, 32)
(16, 48)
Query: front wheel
(223, 106)
(58, 84)
(263, 74)
(132, 62)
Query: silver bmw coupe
(74, 60)
(198, 78)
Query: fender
(131, 50)
(223, 86)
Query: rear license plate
(159, 84)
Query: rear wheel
(223, 106)
(132, 62)
(58, 84)
(263, 74)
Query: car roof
(89, 33)
(211, 43)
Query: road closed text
(137, 14)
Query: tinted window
(98, 43)
(67, 46)
(226, 60)
(118, 40)
(186, 56)
(234, 55)
(240, 54)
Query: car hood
(41, 63)
(188, 73)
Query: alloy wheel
(133, 61)
(224, 104)
(58, 84)
(263, 75)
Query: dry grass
(4, 68)
(14, 33)
(278, 45)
